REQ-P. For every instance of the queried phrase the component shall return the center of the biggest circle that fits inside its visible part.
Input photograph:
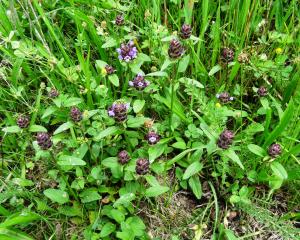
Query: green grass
(78, 189)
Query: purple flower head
(262, 91)
(127, 52)
(53, 93)
(123, 157)
(76, 114)
(228, 54)
(118, 110)
(185, 31)
(224, 97)
(176, 49)
(152, 137)
(44, 140)
(274, 150)
(23, 121)
(119, 20)
(225, 139)
(139, 82)
(109, 69)
(142, 166)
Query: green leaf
(191, 170)
(50, 110)
(22, 182)
(234, 157)
(106, 132)
(12, 129)
(195, 185)
(57, 195)
(136, 225)
(115, 167)
(230, 235)
(117, 215)
(179, 145)
(37, 128)
(138, 105)
(114, 80)
(279, 170)
(110, 42)
(124, 200)
(156, 151)
(183, 63)
(20, 218)
(65, 160)
(257, 150)
(156, 191)
(135, 122)
(63, 127)
(72, 101)
(152, 180)
(89, 195)
(284, 122)
(157, 74)
(12, 234)
(214, 70)
(107, 229)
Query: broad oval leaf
(138, 105)
(106, 132)
(37, 128)
(12, 129)
(195, 185)
(279, 170)
(257, 150)
(57, 195)
(114, 80)
(156, 191)
(65, 160)
(191, 170)
(183, 63)
(63, 127)
(234, 157)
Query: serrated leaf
(183, 63)
(156, 191)
(192, 169)
(138, 105)
(37, 128)
(63, 127)
(57, 195)
(65, 160)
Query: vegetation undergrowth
(174, 119)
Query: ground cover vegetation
(162, 119)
